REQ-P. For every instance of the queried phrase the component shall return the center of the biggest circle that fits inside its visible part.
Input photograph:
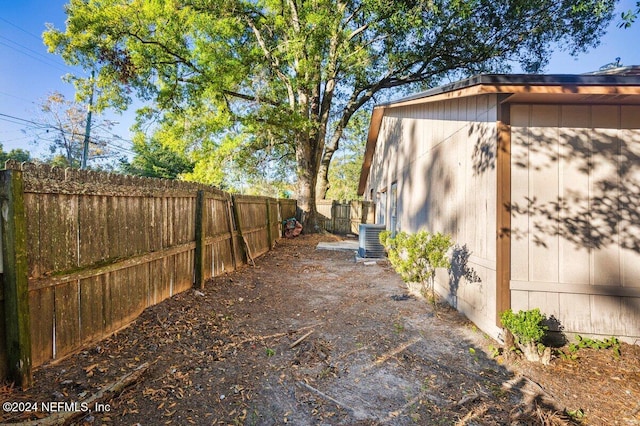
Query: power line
(15, 97)
(21, 29)
(12, 117)
(41, 125)
(22, 46)
(39, 38)
(51, 64)
(34, 125)
(15, 139)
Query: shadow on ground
(305, 337)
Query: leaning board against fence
(101, 248)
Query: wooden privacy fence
(344, 217)
(84, 253)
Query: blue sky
(28, 73)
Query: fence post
(280, 219)
(15, 278)
(269, 236)
(236, 216)
(200, 237)
(230, 220)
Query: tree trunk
(334, 143)
(307, 176)
(322, 186)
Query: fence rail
(86, 252)
(344, 217)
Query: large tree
(263, 73)
(62, 128)
(15, 154)
(152, 159)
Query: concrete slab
(371, 260)
(348, 245)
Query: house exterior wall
(575, 224)
(442, 157)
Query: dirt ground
(240, 352)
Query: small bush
(417, 256)
(527, 329)
(526, 326)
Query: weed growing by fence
(584, 342)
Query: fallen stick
(119, 385)
(272, 336)
(254, 338)
(438, 402)
(325, 396)
(351, 352)
(297, 342)
(383, 358)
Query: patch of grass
(576, 415)
(399, 328)
(495, 351)
(270, 352)
(473, 353)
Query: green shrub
(526, 326)
(524, 333)
(417, 256)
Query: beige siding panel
(548, 303)
(630, 172)
(630, 306)
(472, 108)
(490, 294)
(482, 105)
(519, 189)
(606, 314)
(490, 190)
(575, 312)
(575, 147)
(461, 173)
(438, 124)
(604, 194)
(543, 188)
(519, 300)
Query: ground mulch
(310, 337)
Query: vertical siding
(442, 156)
(543, 187)
(630, 153)
(520, 165)
(576, 231)
(573, 187)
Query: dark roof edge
(524, 80)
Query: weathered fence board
(344, 217)
(101, 248)
(15, 276)
(41, 325)
(288, 209)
